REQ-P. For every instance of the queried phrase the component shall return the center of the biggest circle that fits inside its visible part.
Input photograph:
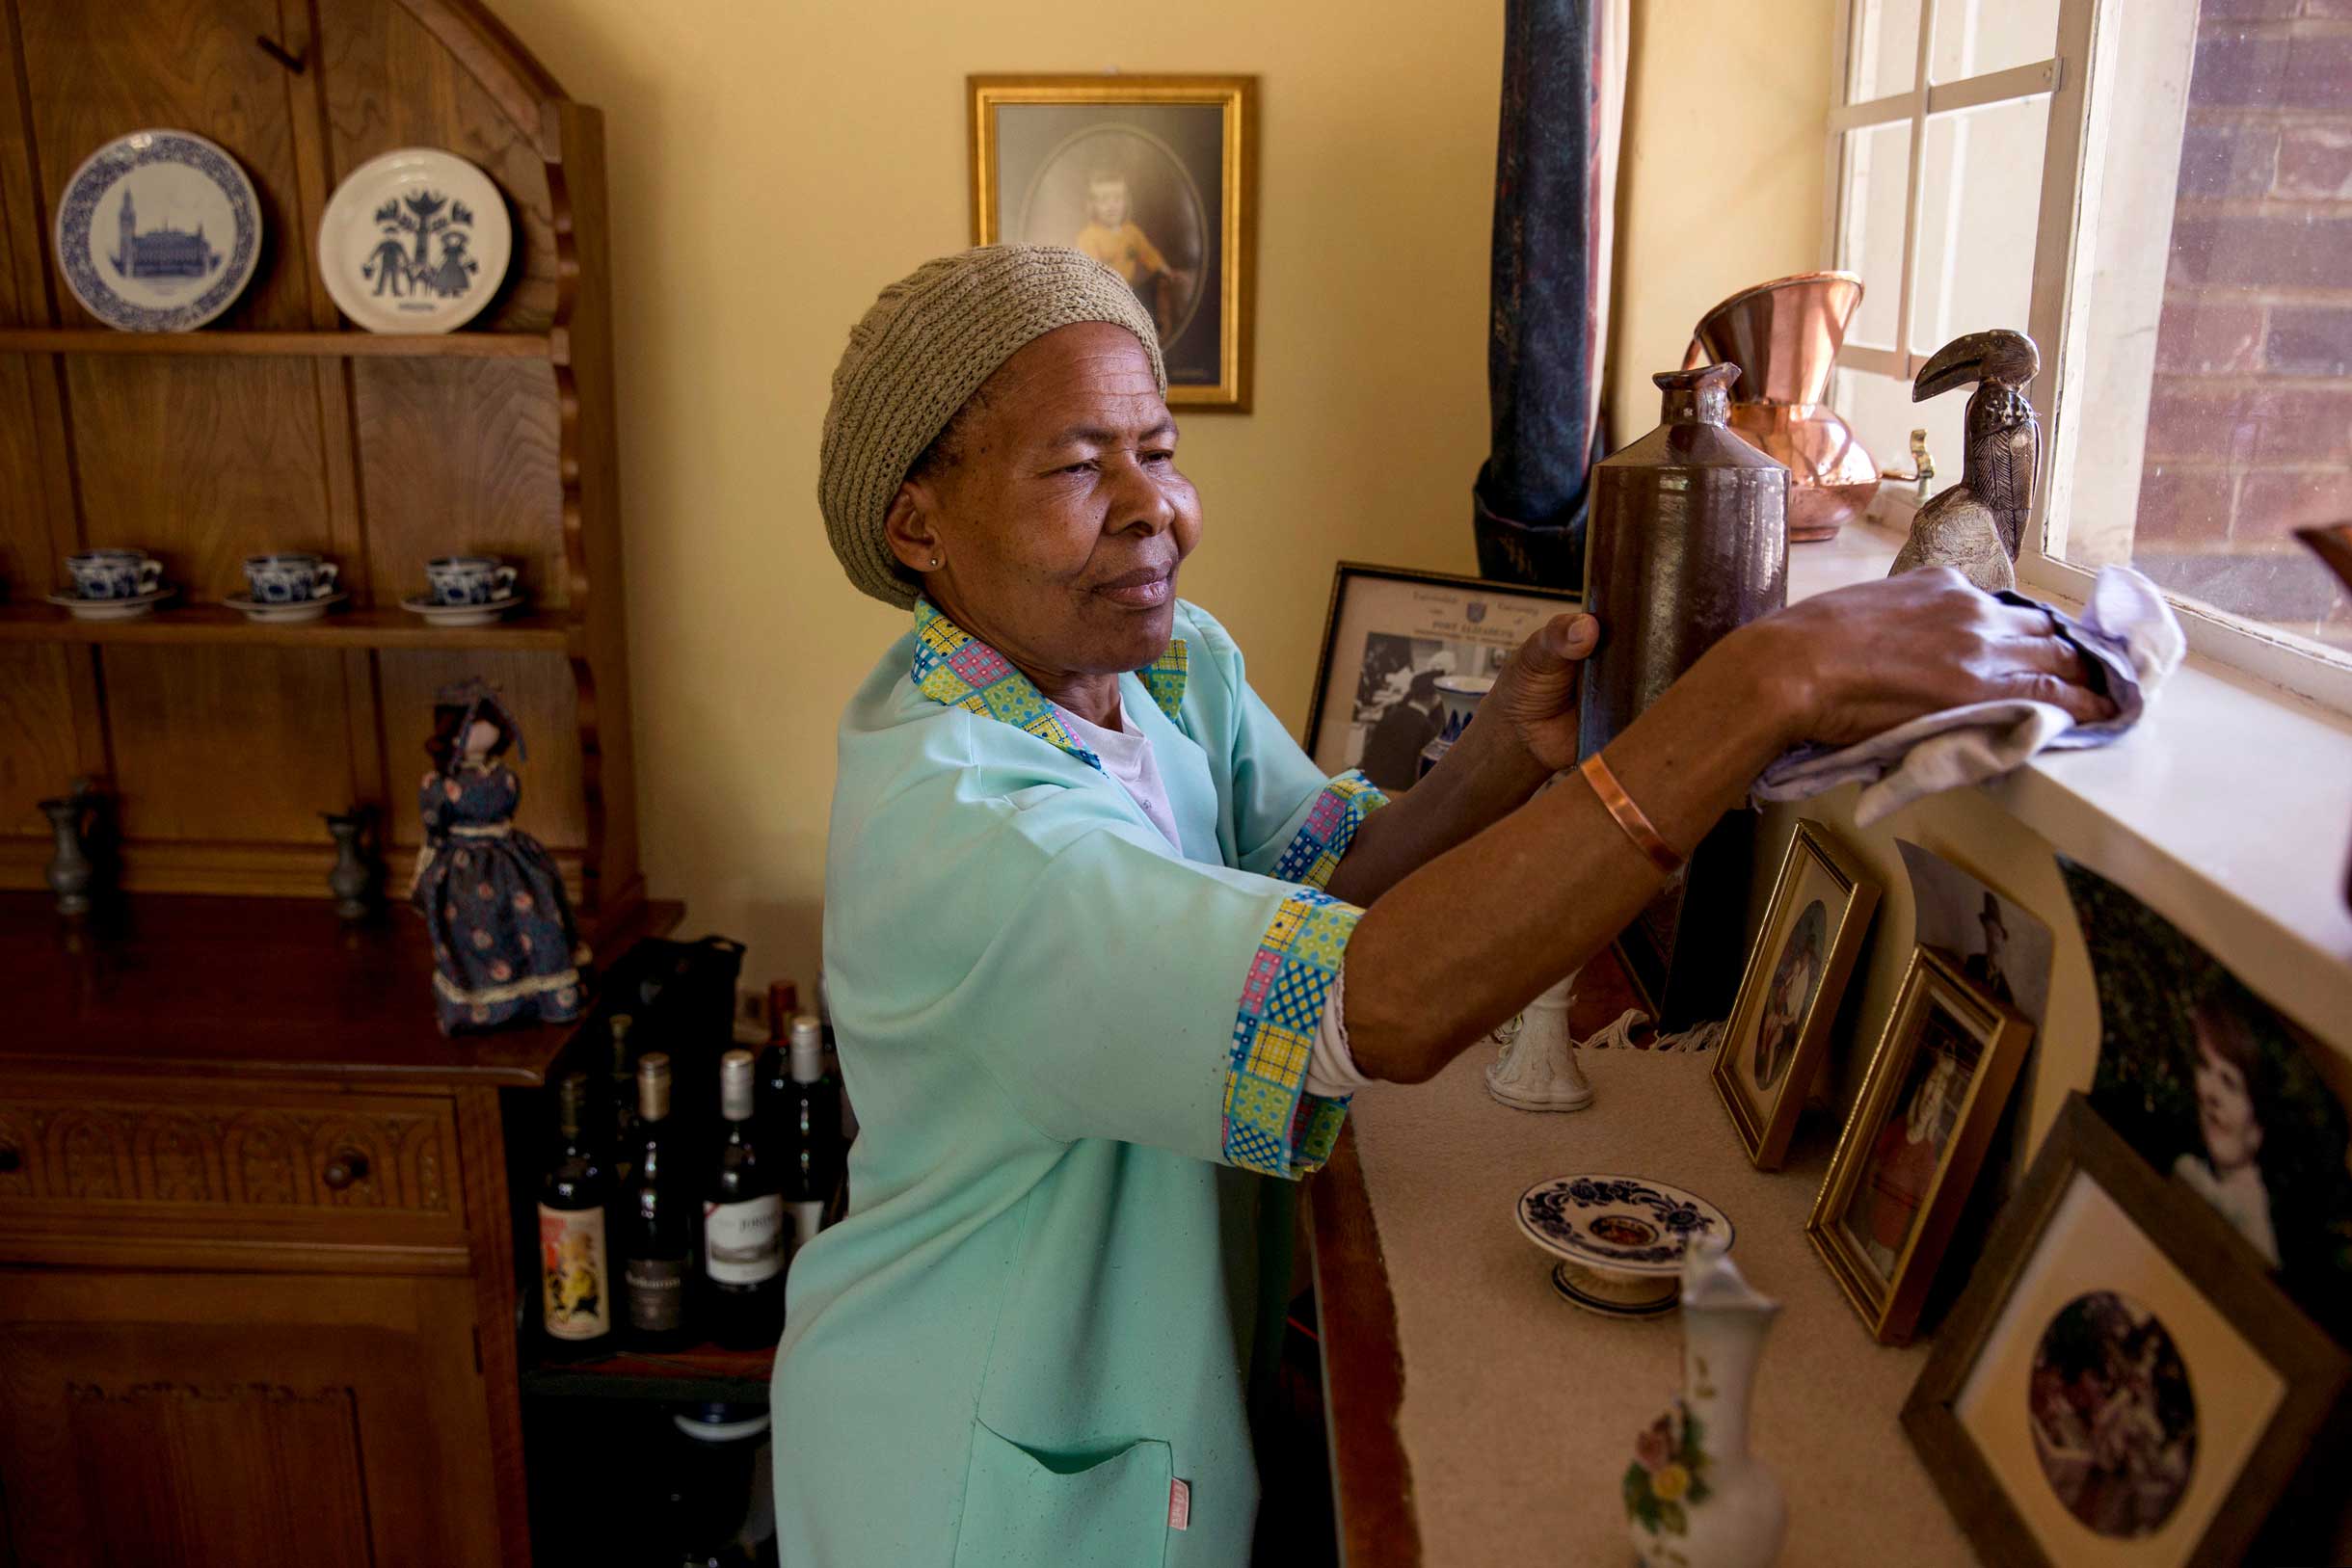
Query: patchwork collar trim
(957, 670)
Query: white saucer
(1619, 1239)
(460, 615)
(113, 609)
(283, 613)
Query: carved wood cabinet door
(211, 1419)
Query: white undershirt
(1125, 755)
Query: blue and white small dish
(130, 608)
(436, 614)
(416, 240)
(284, 612)
(1619, 1239)
(159, 231)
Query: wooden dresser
(258, 1268)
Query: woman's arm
(1455, 946)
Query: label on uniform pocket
(1180, 1504)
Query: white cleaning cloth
(2128, 635)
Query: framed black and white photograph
(1912, 1151)
(1779, 1032)
(2120, 1383)
(1152, 176)
(1390, 637)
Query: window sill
(2228, 809)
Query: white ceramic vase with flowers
(1694, 1498)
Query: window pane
(1976, 37)
(1882, 42)
(2217, 415)
(1882, 413)
(1980, 196)
(1870, 234)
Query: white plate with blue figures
(1619, 1239)
(159, 231)
(416, 240)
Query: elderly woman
(1108, 955)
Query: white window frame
(2077, 78)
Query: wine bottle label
(807, 1218)
(743, 1242)
(575, 1295)
(657, 1294)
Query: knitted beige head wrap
(917, 357)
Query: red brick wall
(2250, 426)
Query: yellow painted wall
(772, 164)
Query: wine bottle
(624, 1097)
(657, 1244)
(742, 1222)
(575, 1267)
(807, 1118)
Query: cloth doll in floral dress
(504, 947)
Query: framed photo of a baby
(1779, 1023)
(1154, 175)
(1913, 1147)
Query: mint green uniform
(1070, 1048)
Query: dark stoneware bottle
(1689, 541)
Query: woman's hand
(1859, 662)
(1535, 696)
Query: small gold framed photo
(1155, 176)
(1778, 1033)
(1911, 1149)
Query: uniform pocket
(1023, 1509)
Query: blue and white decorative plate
(1618, 1224)
(414, 241)
(159, 231)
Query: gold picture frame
(1915, 1175)
(2109, 1297)
(1051, 153)
(1777, 1034)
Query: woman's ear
(908, 526)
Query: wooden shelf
(298, 345)
(218, 623)
(257, 990)
(677, 1377)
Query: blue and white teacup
(289, 577)
(114, 573)
(469, 579)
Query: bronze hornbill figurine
(1977, 524)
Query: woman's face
(1062, 521)
(480, 737)
(2225, 1110)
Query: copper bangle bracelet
(1636, 825)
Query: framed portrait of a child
(1152, 176)
(1777, 1034)
(1912, 1150)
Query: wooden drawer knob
(345, 1168)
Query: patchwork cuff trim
(1272, 1125)
(1330, 827)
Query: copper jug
(1688, 542)
(1785, 337)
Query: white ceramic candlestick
(1537, 1069)
(1693, 1497)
